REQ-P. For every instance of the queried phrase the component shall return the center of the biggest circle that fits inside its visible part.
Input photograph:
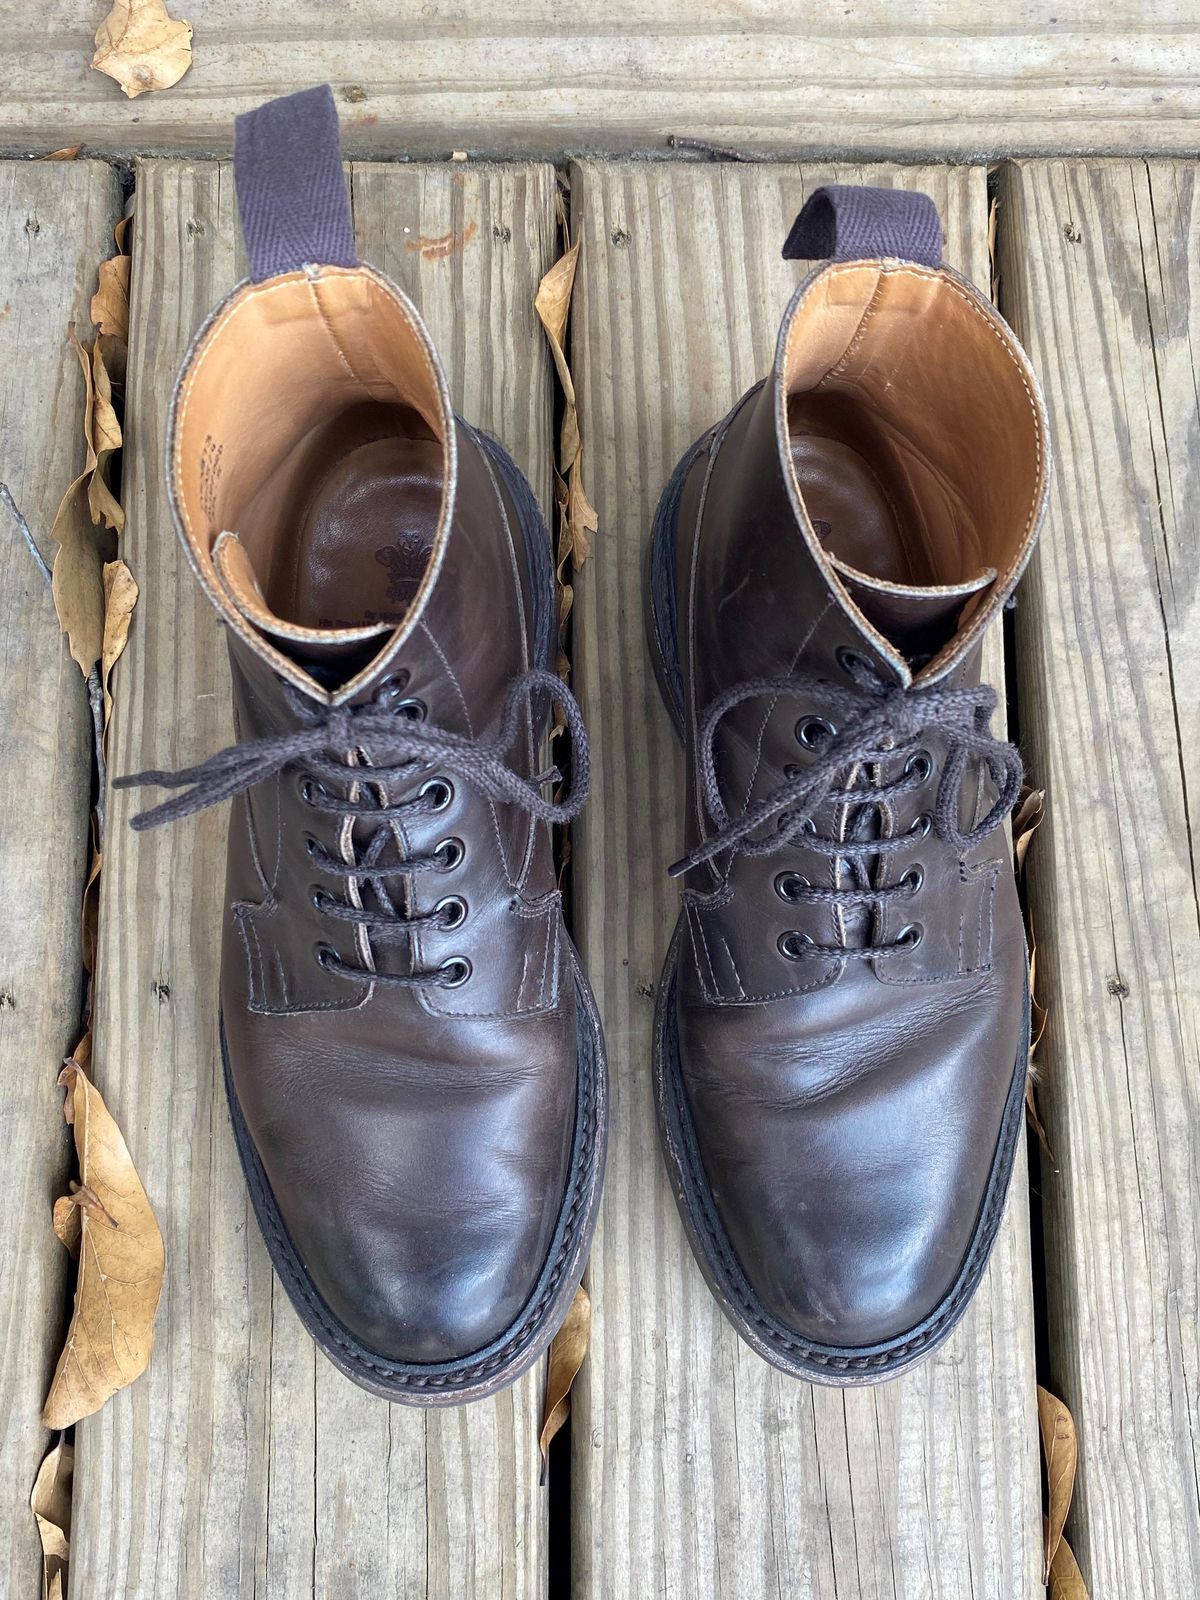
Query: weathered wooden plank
(242, 1463)
(948, 78)
(1101, 273)
(55, 228)
(697, 1469)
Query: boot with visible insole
(843, 1020)
(412, 1055)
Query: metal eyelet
(787, 883)
(792, 945)
(317, 897)
(311, 845)
(910, 936)
(919, 766)
(849, 660)
(455, 972)
(791, 771)
(323, 954)
(306, 788)
(392, 689)
(813, 732)
(921, 826)
(438, 792)
(914, 878)
(450, 853)
(452, 910)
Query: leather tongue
(916, 620)
(329, 654)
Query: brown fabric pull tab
(847, 222)
(287, 163)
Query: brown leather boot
(412, 1054)
(843, 1018)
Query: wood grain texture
(242, 1463)
(697, 1469)
(55, 227)
(943, 77)
(1101, 274)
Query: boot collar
(830, 324)
(216, 554)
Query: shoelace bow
(324, 750)
(880, 721)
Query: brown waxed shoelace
(881, 721)
(324, 748)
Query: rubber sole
(483, 1372)
(839, 1366)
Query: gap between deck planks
(947, 79)
(55, 228)
(1101, 276)
(698, 1470)
(242, 1463)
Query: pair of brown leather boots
(413, 1058)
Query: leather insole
(861, 510)
(900, 558)
(347, 525)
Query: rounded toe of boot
(860, 1197)
(416, 1227)
(424, 1297)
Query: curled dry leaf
(120, 597)
(577, 519)
(78, 583)
(67, 153)
(120, 1265)
(567, 1351)
(109, 309)
(1059, 1449)
(1066, 1580)
(67, 1226)
(1027, 819)
(50, 1501)
(140, 46)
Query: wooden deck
(243, 1465)
(944, 78)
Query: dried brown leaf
(110, 304)
(567, 1351)
(553, 306)
(576, 513)
(67, 1226)
(103, 439)
(78, 582)
(140, 46)
(120, 1265)
(1066, 1580)
(1027, 819)
(77, 585)
(1060, 1452)
(67, 153)
(89, 916)
(120, 597)
(50, 1501)
(1034, 1118)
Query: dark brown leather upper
(417, 1142)
(848, 1110)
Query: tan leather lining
(907, 369)
(259, 404)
